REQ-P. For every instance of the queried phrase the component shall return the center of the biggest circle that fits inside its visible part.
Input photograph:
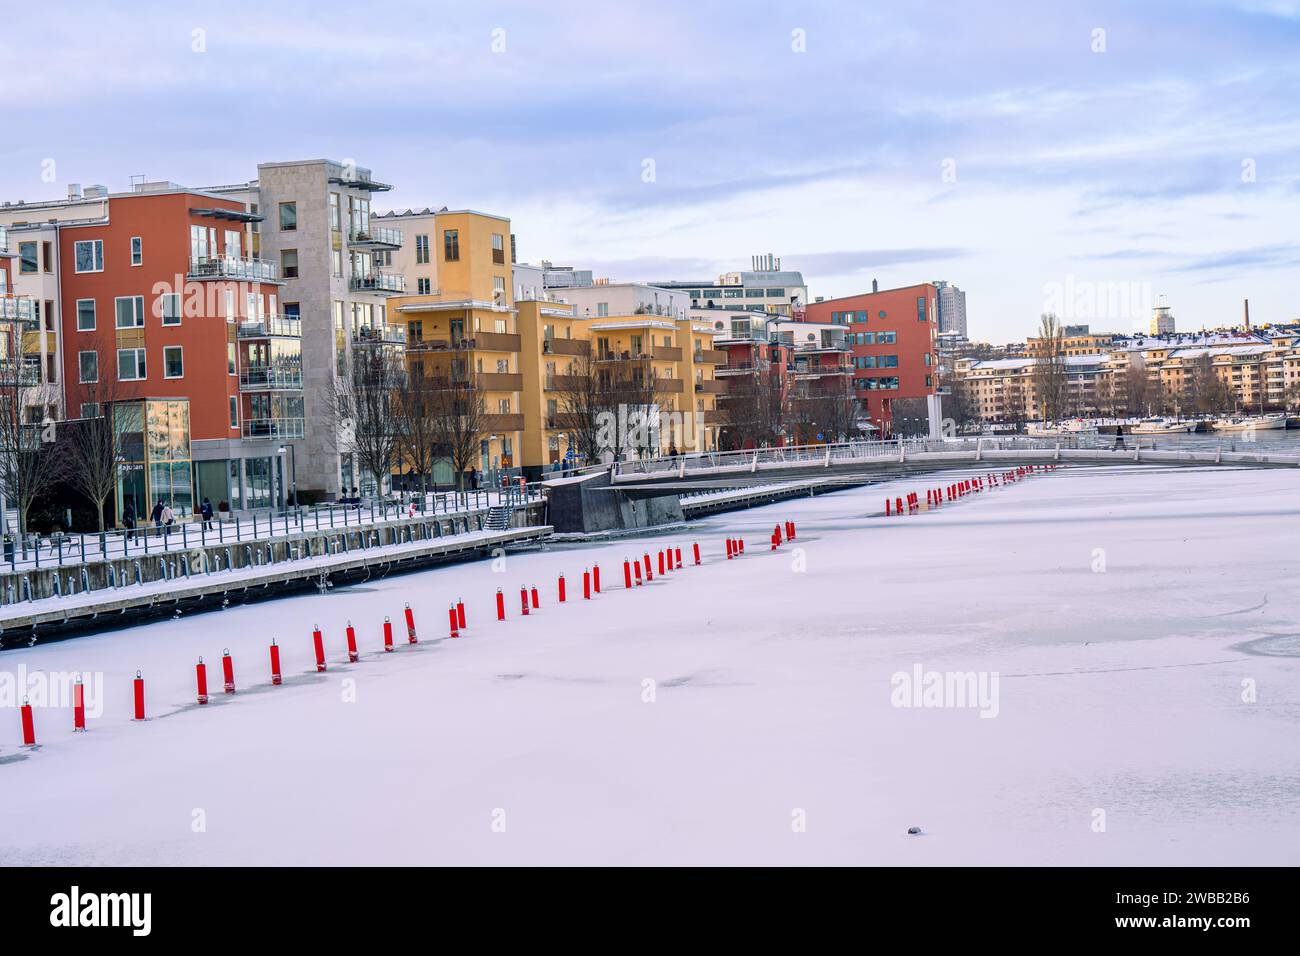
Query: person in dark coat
(473, 479)
(1119, 436)
(156, 516)
(128, 519)
(206, 511)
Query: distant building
(765, 288)
(952, 308)
(1162, 319)
(565, 277)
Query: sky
(1083, 158)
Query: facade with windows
(765, 288)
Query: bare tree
(579, 407)
(28, 465)
(1136, 390)
(756, 410)
(1050, 381)
(362, 406)
(92, 446)
(459, 413)
(415, 417)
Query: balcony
(277, 428)
(232, 268)
(503, 423)
(386, 334)
(376, 237)
(482, 341)
(711, 386)
(269, 379)
(564, 383)
(20, 309)
(623, 357)
(500, 382)
(710, 357)
(732, 371)
(383, 283)
(665, 353)
(566, 347)
(19, 373)
(670, 386)
(271, 327)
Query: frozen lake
(1141, 624)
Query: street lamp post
(293, 472)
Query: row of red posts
(934, 497)
(635, 571)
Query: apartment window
(336, 261)
(336, 219)
(232, 358)
(85, 315)
(289, 263)
(170, 308)
(87, 367)
(173, 362)
(498, 249)
(503, 406)
(230, 305)
(88, 255)
(130, 311)
(920, 308)
(137, 250)
(602, 309)
(90, 409)
(234, 411)
(887, 338)
(27, 258)
(288, 216)
(47, 257)
(422, 286)
(421, 250)
(130, 365)
(451, 245)
(927, 359)
(499, 288)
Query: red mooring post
(595, 578)
(353, 656)
(772, 538)
(501, 605)
(662, 571)
(535, 604)
(275, 663)
(388, 635)
(627, 573)
(320, 648)
(677, 553)
(561, 588)
(730, 549)
(201, 679)
(740, 543)
(227, 671)
(410, 627)
(523, 600)
(78, 705)
(29, 726)
(649, 574)
(586, 584)
(695, 550)
(453, 621)
(460, 614)
(637, 569)
(138, 691)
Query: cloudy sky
(1081, 156)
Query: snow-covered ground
(732, 713)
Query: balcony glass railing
(19, 373)
(18, 308)
(273, 428)
(232, 267)
(378, 282)
(268, 326)
(379, 334)
(266, 377)
(375, 236)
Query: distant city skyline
(1015, 152)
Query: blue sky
(1007, 147)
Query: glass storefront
(153, 440)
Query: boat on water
(1077, 426)
(1161, 426)
(1251, 423)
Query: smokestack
(875, 286)
(1246, 304)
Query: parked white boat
(1251, 423)
(1045, 430)
(1161, 426)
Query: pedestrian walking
(206, 512)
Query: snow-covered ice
(1134, 723)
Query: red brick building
(892, 334)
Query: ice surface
(1120, 690)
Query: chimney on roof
(875, 286)
(1246, 304)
